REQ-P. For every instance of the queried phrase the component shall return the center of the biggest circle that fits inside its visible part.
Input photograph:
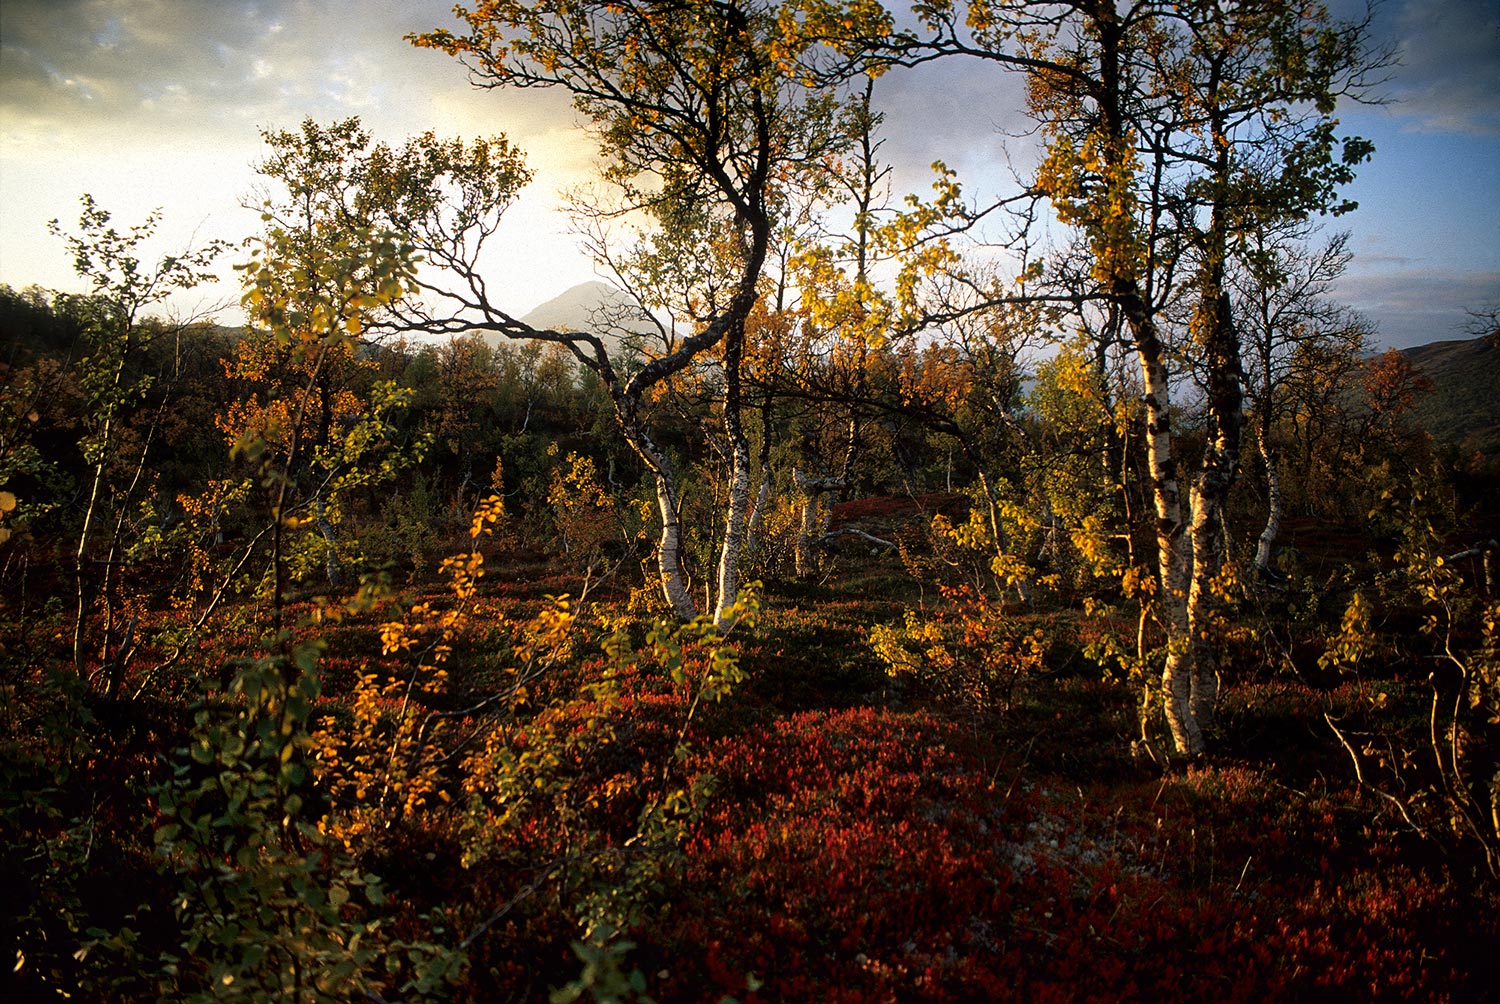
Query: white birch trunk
(1211, 492)
(819, 495)
(1172, 557)
(669, 551)
(90, 514)
(734, 527)
(334, 567)
(1207, 560)
(80, 556)
(739, 475)
(758, 512)
(669, 546)
(804, 555)
(1272, 528)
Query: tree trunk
(1207, 503)
(1220, 465)
(332, 565)
(1171, 547)
(819, 496)
(758, 512)
(669, 546)
(739, 476)
(762, 494)
(1272, 528)
(91, 513)
(669, 551)
(734, 532)
(815, 518)
(804, 554)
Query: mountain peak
(591, 306)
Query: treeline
(470, 407)
(475, 418)
(1042, 436)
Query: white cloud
(1449, 78)
(1412, 306)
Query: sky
(160, 103)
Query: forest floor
(859, 842)
(871, 846)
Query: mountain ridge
(1463, 406)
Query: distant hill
(1464, 405)
(591, 306)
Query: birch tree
(1280, 285)
(1250, 91)
(123, 287)
(1169, 129)
(694, 113)
(840, 301)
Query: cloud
(99, 74)
(1375, 258)
(131, 62)
(1415, 306)
(147, 103)
(164, 66)
(960, 111)
(1449, 77)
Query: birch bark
(1274, 505)
(669, 544)
(1171, 545)
(739, 474)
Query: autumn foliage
(870, 622)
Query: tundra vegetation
(885, 606)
